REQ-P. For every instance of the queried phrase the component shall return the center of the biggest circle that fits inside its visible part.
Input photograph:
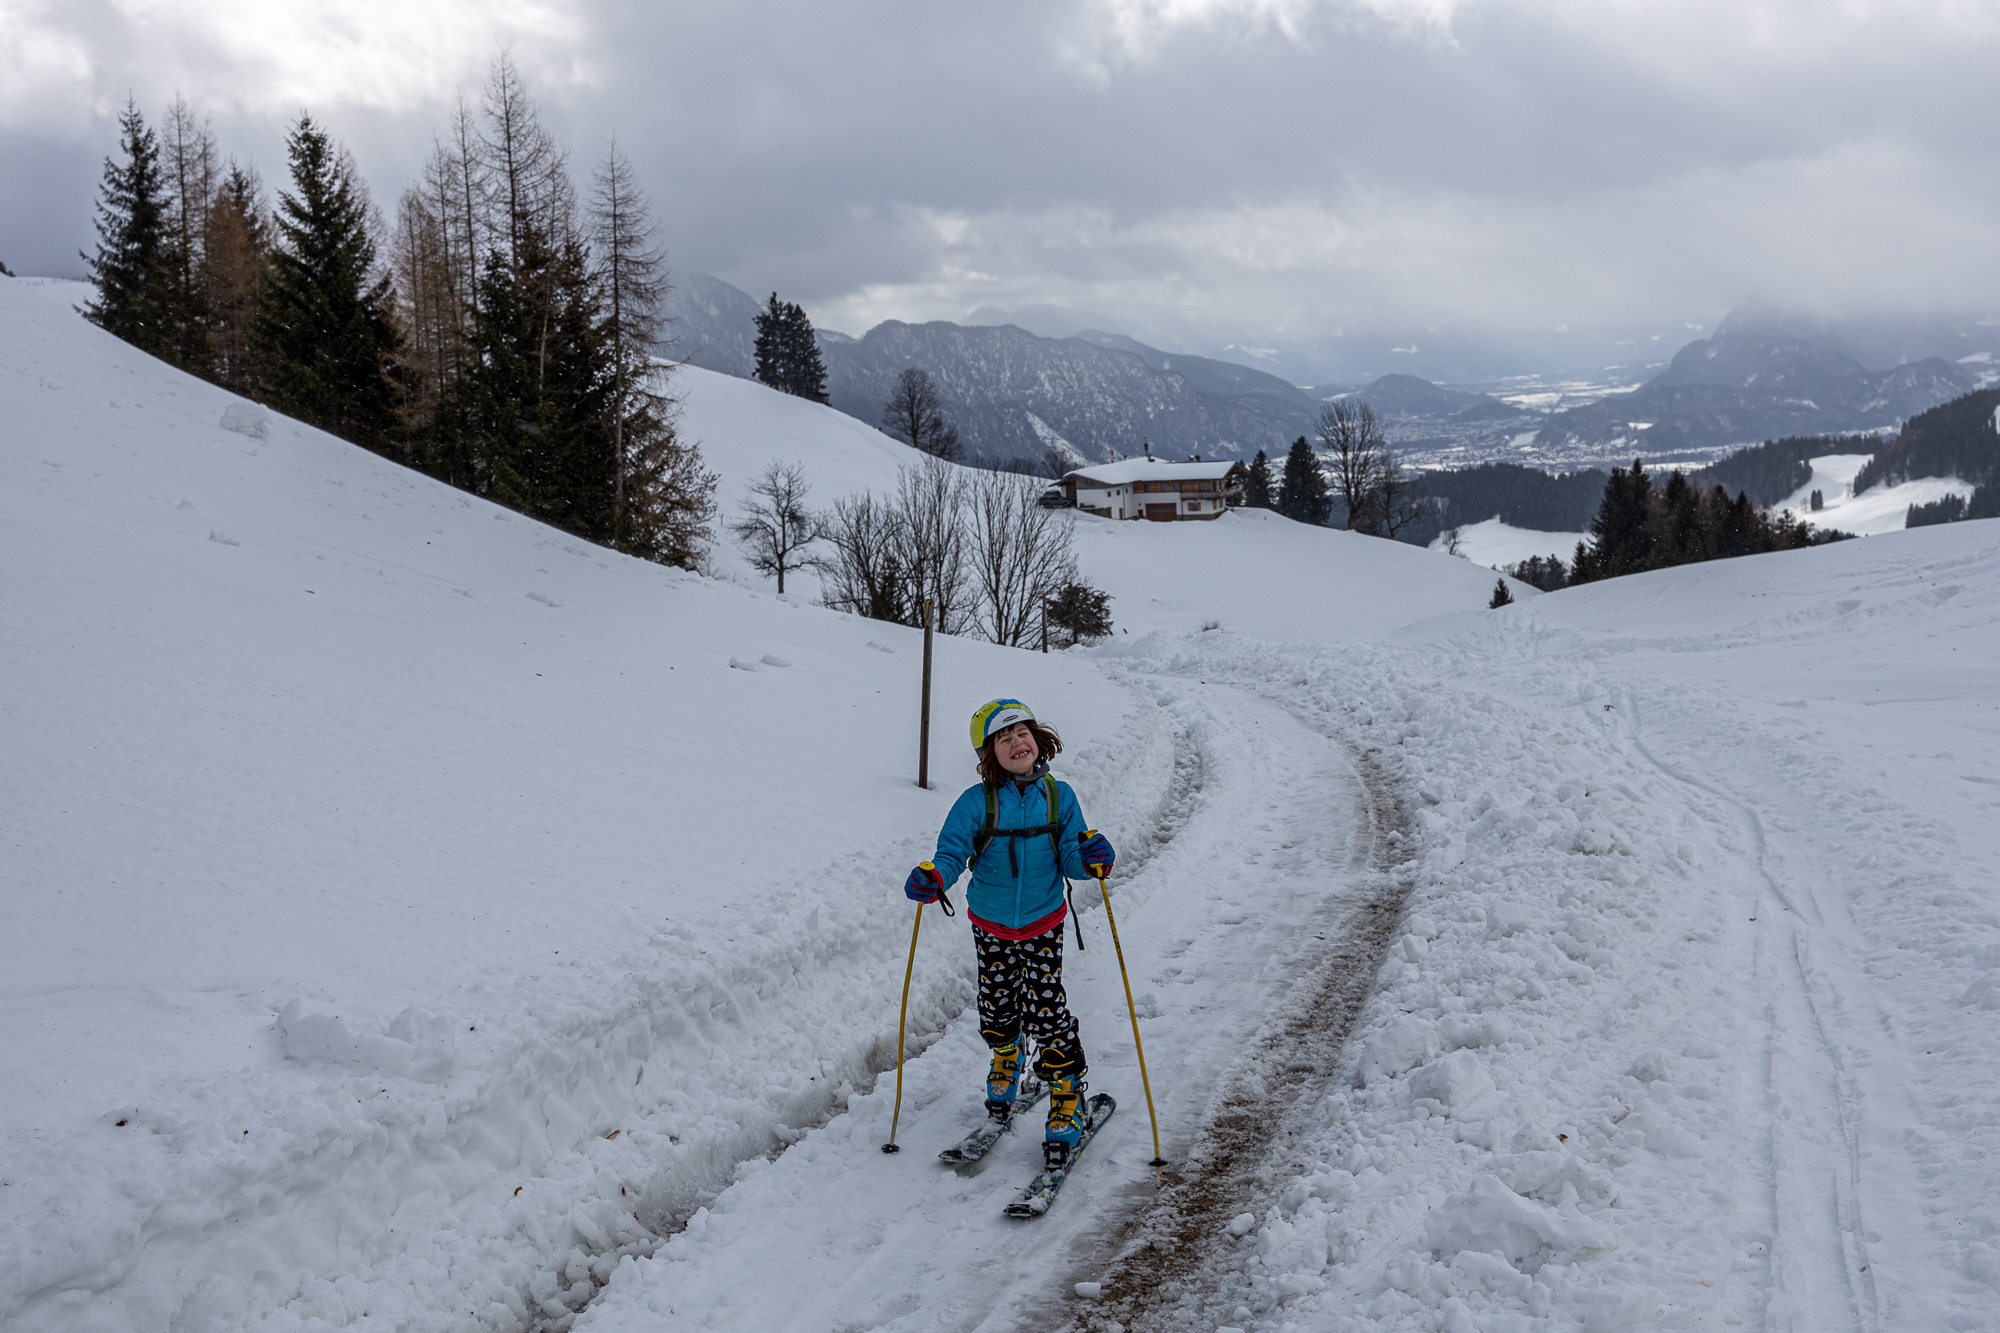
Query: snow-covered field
(583, 875)
(1495, 545)
(1878, 509)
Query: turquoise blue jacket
(1032, 888)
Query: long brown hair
(993, 773)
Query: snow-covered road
(1226, 909)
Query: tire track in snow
(1218, 902)
(1163, 1276)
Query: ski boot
(1066, 1116)
(1003, 1081)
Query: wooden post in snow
(924, 727)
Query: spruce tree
(135, 257)
(323, 340)
(1623, 534)
(788, 356)
(1501, 597)
(1257, 487)
(773, 351)
(809, 377)
(538, 397)
(1303, 496)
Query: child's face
(1016, 750)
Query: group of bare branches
(914, 414)
(976, 545)
(1379, 495)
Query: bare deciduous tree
(1351, 439)
(776, 526)
(1399, 497)
(861, 570)
(1019, 552)
(930, 542)
(914, 415)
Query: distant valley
(1015, 394)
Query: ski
(1042, 1190)
(977, 1144)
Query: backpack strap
(1055, 845)
(985, 833)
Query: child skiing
(1017, 905)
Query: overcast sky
(1203, 172)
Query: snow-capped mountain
(1756, 379)
(1014, 394)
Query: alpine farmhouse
(1156, 489)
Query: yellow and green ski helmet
(997, 715)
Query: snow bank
(410, 911)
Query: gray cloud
(1204, 171)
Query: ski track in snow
(1213, 924)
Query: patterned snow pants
(1020, 989)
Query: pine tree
(135, 257)
(1501, 597)
(774, 366)
(324, 339)
(537, 398)
(1079, 613)
(788, 356)
(811, 374)
(1303, 496)
(1257, 488)
(1623, 535)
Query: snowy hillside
(1493, 544)
(287, 723)
(1880, 508)
(420, 921)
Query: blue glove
(924, 884)
(1097, 853)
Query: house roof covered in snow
(1129, 470)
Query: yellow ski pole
(1104, 888)
(902, 1019)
